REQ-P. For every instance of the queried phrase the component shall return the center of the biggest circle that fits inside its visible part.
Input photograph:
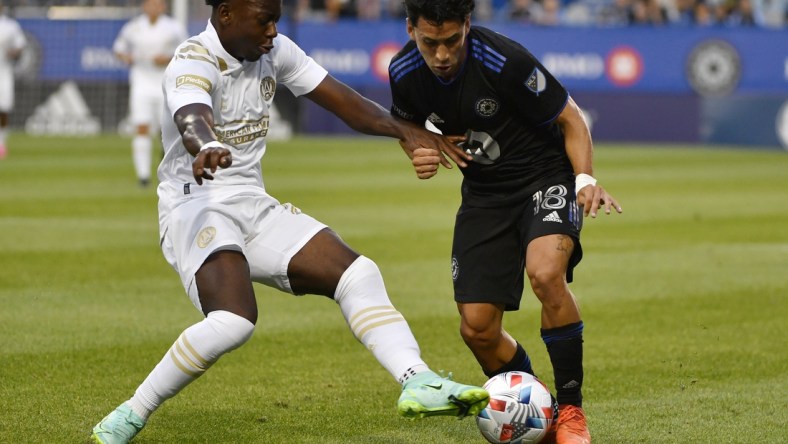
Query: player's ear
(410, 29)
(224, 14)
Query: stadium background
(674, 82)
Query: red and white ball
(521, 410)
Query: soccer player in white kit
(12, 42)
(221, 231)
(146, 43)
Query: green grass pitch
(683, 296)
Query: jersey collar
(227, 63)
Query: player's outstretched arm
(368, 117)
(590, 195)
(195, 123)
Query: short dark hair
(438, 11)
(214, 3)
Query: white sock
(142, 154)
(361, 295)
(196, 349)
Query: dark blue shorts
(488, 252)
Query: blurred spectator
(578, 13)
(744, 13)
(648, 13)
(520, 11)
(369, 9)
(616, 13)
(552, 14)
(395, 9)
(325, 10)
(484, 11)
(683, 13)
(775, 12)
(337, 9)
(702, 14)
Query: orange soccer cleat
(571, 427)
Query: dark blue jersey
(504, 100)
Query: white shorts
(268, 234)
(6, 90)
(145, 105)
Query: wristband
(212, 144)
(581, 180)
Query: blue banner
(79, 50)
(719, 85)
(73, 49)
(709, 61)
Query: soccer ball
(521, 409)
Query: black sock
(565, 347)
(520, 362)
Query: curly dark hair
(438, 11)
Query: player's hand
(594, 197)
(208, 160)
(162, 60)
(425, 162)
(447, 146)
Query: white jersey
(143, 41)
(11, 38)
(240, 94)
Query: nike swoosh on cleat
(434, 386)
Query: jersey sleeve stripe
(487, 56)
(222, 64)
(407, 69)
(407, 58)
(194, 48)
(406, 64)
(488, 50)
(198, 58)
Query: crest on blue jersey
(486, 107)
(536, 82)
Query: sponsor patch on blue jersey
(536, 82)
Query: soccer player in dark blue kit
(524, 193)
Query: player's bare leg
(547, 259)
(496, 351)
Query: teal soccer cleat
(427, 394)
(119, 427)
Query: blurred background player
(147, 43)
(222, 231)
(12, 42)
(531, 168)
